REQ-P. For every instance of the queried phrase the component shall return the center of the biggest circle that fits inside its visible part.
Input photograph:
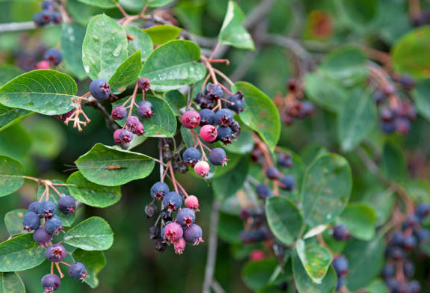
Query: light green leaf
(161, 34)
(72, 37)
(13, 221)
(91, 234)
(360, 220)
(421, 95)
(100, 3)
(7, 73)
(230, 182)
(158, 3)
(126, 73)
(11, 283)
(315, 259)
(141, 41)
(11, 173)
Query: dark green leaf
(141, 41)
(360, 219)
(230, 182)
(161, 34)
(94, 165)
(94, 262)
(9, 116)
(46, 144)
(91, 234)
(11, 173)
(377, 286)
(100, 3)
(72, 37)
(421, 96)
(11, 283)
(126, 73)
(360, 12)
(315, 259)
(13, 221)
(393, 163)
(176, 101)
(256, 274)
(229, 228)
(15, 142)
(158, 3)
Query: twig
(217, 287)
(110, 123)
(17, 26)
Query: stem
(59, 269)
(214, 52)
(133, 97)
(263, 148)
(172, 175)
(212, 249)
(160, 149)
(66, 264)
(224, 77)
(122, 10)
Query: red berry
(116, 136)
(192, 202)
(191, 119)
(202, 168)
(180, 246)
(43, 65)
(256, 255)
(208, 133)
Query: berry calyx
(193, 234)
(192, 202)
(55, 253)
(144, 84)
(77, 271)
(100, 89)
(145, 109)
(202, 168)
(218, 157)
(158, 190)
(67, 204)
(119, 112)
(54, 56)
(125, 136)
(186, 217)
(191, 119)
(213, 91)
(208, 133)
(172, 201)
(51, 283)
(191, 156)
(30, 221)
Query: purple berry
(218, 157)
(388, 271)
(408, 269)
(47, 4)
(51, 282)
(411, 221)
(145, 109)
(159, 190)
(77, 271)
(422, 211)
(185, 217)
(263, 191)
(207, 117)
(341, 233)
(224, 134)
(30, 221)
(235, 129)
(340, 265)
(125, 136)
(423, 235)
(55, 253)
(54, 225)
(414, 286)
(42, 236)
(379, 97)
(223, 117)
(407, 82)
(42, 18)
(67, 204)
(285, 160)
(287, 183)
(191, 156)
(54, 56)
(193, 234)
(119, 112)
(47, 209)
(397, 238)
(236, 102)
(144, 84)
(100, 89)
(57, 18)
(213, 91)
(172, 200)
(272, 173)
(410, 243)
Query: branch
(110, 123)
(17, 26)
(217, 287)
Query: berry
(172, 200)
(402, 125)
(191, 156)
(172, 232)
(389, 89)
(119, 112)
(422, 211)
(411, 221)
(414, 286)
(51, 282)
(285, 160)
(54, 225)
(287, 183)
(77, 271)
(293, 85)
(388, 127)
(179, 246)
(423, 235)
(213, 91)
(42, 236)
(224, 134)
(207, 117)
(307, 109)
(144, 84)
(67, 204)
(42, 18)
(340, 282)
(208, 133)
(145, 109)
(57, 18)
(186, 217)
(256, 255)
(159, 189)
(341, 233)
(235, 129)
(139, 130)
(236, 102)
(125, 136)
(30, 221)
(218, 157)
(54, 56)
(408, 269)
(132, 123)
(160, 246)
(166, 216)
(193, 234)
(223, 117)
(272, 173)
(340, 265)
(192, 202)
(151, 210)
(154, 232)
(34, 207)
(47, 209)
(55, 253)
(47, 4)
(205, 102)
(396, 253)
(392, 285)
(245, 214)
(388, 271)
(191, 119)
(63, 117)
(407, 82)
(263, 191)
(379, 97)
(100, 89)
(43, 65)
(410, 243)
(387, 114)
(116, 136)
(202, 168)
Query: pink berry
(116, 136)
(180, 246)
(256, 255)
(173, 232)
(202, 168)
(43, 65)
(192, 202)
(191, 119)
(208, 133)
(144, 84)
(139, 130)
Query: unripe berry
(172, 201)
(77, 271)
(236, 102)
(125, 136)
(287, 183)
(208, 133)
(172, 232)
(202, 168)
(218, 157)
(256, 255)
(191, 119)
(55, 253)
(54, 225)
(54, 56)
(272, 173)
(193, 234)
(42, 236)
(223, 117)
(30, 221)
(139, 130)
(116, 136)
(100, 89)
(159, 189)
(43, 65)
(67, 204)
(207, 117)
(186, 217)
(47, 209)
(145, 109)
(179, 246)
(192, 202)
(144, 84)
(191, 156)
(51, 283)
(119, 112)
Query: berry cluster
(47, 15)
(398, 270)
(52, 57)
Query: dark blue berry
(47, 209)
(119, 112)
(408, 269)
(393, 285)
(263, 191)
(272, 173)
(31, 221)
(224, 134)
(57, 18)
(42, 236)
(388, 271)
(411, 221)
(213, 91)
(193, 234)
(34, 207)
(172, 200)
(218, 157)
(100, 89)
(422, 211)
(47, 4)
(407, 82)
(154, 232)
(236, 102)
(379, 97)
(285, 160)
(395, 253)
(42, 18)
(125, 136)
(145, 109)
(341, 233)
(54, 225)
(67, 204)
(51, 283)
(204, 102)
(235, 129)
(185, 217)
(54, 56)
(223, 117)
(191, 156)
(340, 265)
(423, 236)
(159, 190)
(77, 271)
(207, 117)
(307, 109)
(388, 127)
(397, 238)
(287, 183)
(55, 253)
(414, 286)
(410, 243)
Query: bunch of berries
(47, 15)
(52, 57)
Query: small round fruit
(193, 234)
(263, 191)
(48, 4)
(191, 156)
(208, 133)
(77, 271)
(179, 246)
(54, 225)
(218, 157)
(236, 102)
(224, 134)
(119, 112)
(272, 173)
(144, 84)
(145, 109)
(159, 189)
(125, 136)
(172, 201)
(30, 221)
(47, 209)
(172, 232)
(341, 233)
(42, 236)
(100, 89)
(223, 117)
(43, 65)
(202, 168)
(191, 119)
(192, 202)
(67, 204)
(151, 210)
(51, 283)
(185, 217)
(287, 183)
(34, 207)
(57, 18)
(340, 265)
(285, 160)
(207, 117)
(213, 91)
(55, 253)
(54, 56)
(422, 211)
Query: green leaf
(360, 219)
(20, 253)
(158, 3)
(326, 189)
(47, 138)
(13, 221)
(173, 65)
(141, 41)
(393, 163)
(15, 142)
(161, 124)
(297, 171)
(176, 101)
(11, 173)
(260, 113)
(161, 34)
(305, 284)
(72, 37)
(93, 165)
(10, 116)
(8, 73)
(47, 92)
(315, 259)
(356, 119)
(94, 262)
(11, 283)
(104, 47)
(284, 219)
(382, 201)
(91, 234)
(229, 228)
(421, 94)
(365, 262)
(410, 54)
(92, 194)
(256, 274)
(232, 32)
(230, 182)
(126, 73)
(359, 12)
(377, 286)
(100, 3)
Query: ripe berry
(47, 209)
(30, 221)
(395, 253)
(397, 238)
(172, 201)
(236, 102)
(285, 160)
(208, 133)
(119, 112)
(100, 89)
(223, 117)
(407, 82)
(341, 233)
(77, 271)
(159, 189)
(191, 119)
(218, 157)
(287, 183)
(340, 265)
(144, 84)
(388, 271)
(132, 123)
(272, 173)
(307, 109)
(54, 56)
(408, 269)
(388, 127)
(392, 285)
(224, 134)
(422, 211)
(154, 232)
(191, 156)
(263, 191)
(389, 89)
(423, 236)
(42, 18)
(245, 214)
(125, 136)
(34, 207)
(379, 97)
(54, 225)
(204, 102)
(340, 282)
(414, 286)
(42, 236)
(207, 117)
(186, 217)
(411, 221)
(192, 202)
(47, 4)
(402, 125)
(410, 243)
(67, 204)
(51, 283)
(43, 65)
(387, 114)
(172, 232)
(202, 168)
(193, 234)
(179, 246)
(55, 253)
(57, 18)
(151, 210)
(256, 255)
(145, 109)
(213, 91)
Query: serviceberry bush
(130, 118)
